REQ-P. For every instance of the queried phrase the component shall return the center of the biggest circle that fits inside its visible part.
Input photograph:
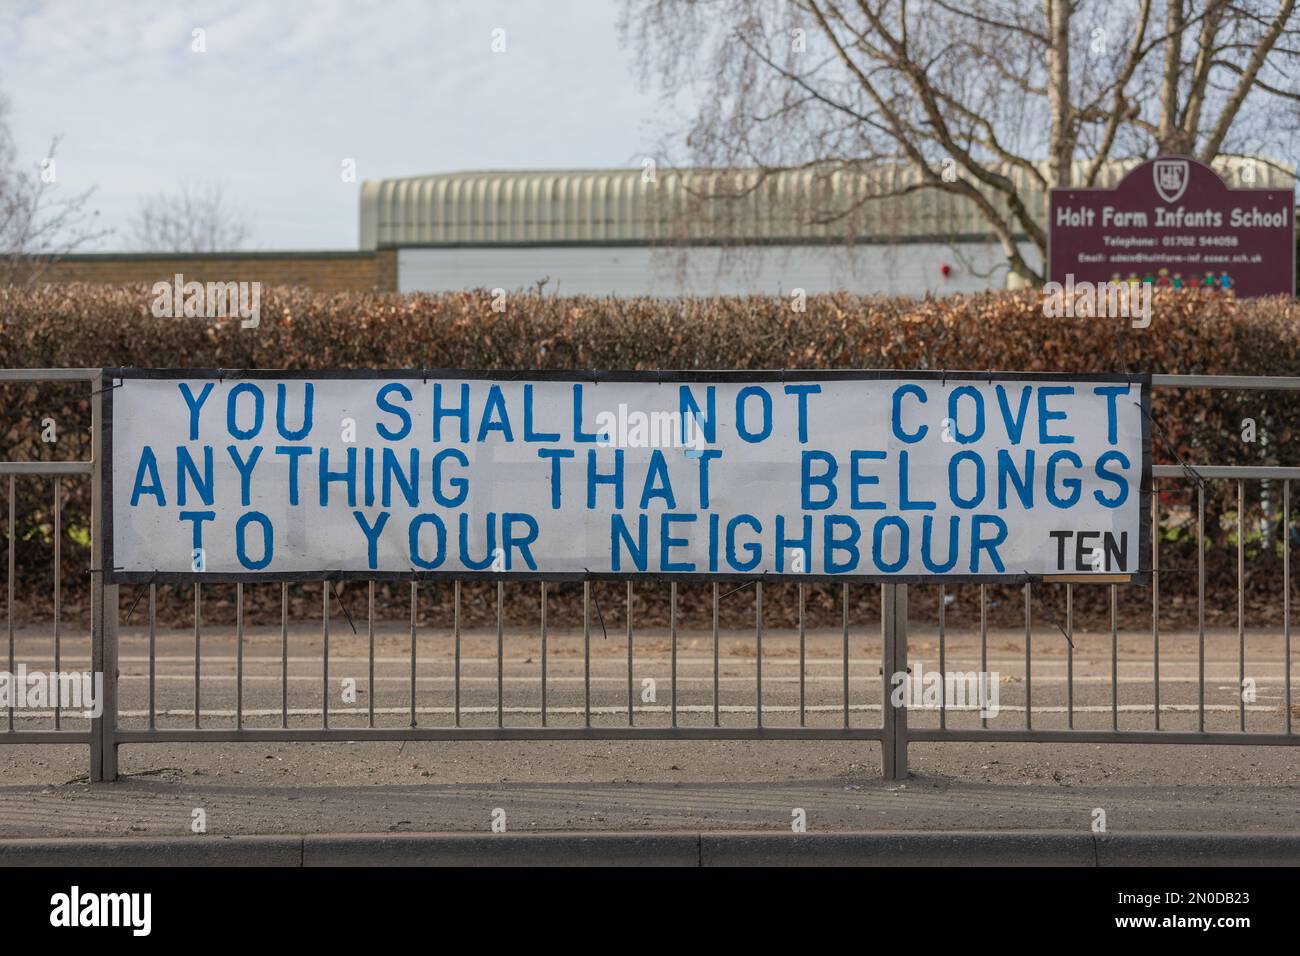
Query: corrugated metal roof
(600, 206)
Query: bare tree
(996, 93)
(38, 224)
(192, 220)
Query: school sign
(889, 476)
(1172, 222)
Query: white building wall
(904, 268)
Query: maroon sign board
(1173, 222)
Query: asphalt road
(1100, 692)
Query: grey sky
(286, 90)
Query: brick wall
(324, 271)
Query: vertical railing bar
(802, 656)
(58, 592)
(672, 640)
(153, 652)
(717, 713)
(943, 663)
(1069, 656)
(455, 627)
(1155, 597)
(370, 634)
(325, 654)
(544, 643)
(887, 670)
(198, 616)
(1241, 601)
(415, 605)
(844, 648)
(1029, 658)
(239, 655)
(894, 664)
(758, 652)
(1114, 657)
(1286, 597)
(984, 641)
(284, 653)
(629, 654)
(1200, 605)
(10, 585)
(501, 654)
(103, 596)
(586, 653)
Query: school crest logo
(1171, 177)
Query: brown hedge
(1191, 332)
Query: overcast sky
(287, 90)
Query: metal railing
(98, 732)
(838, 718)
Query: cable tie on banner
(1188, 469)
(596, 601)
(1050, 616)
(734, 590)
(745, 585)
(1031, 578)
(117, 383)
(139, 593)
(221, 376)
(338, 597)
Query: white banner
(878, 475)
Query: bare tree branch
(192, 220)
(39, 224)
(1285, 10)
(1015, 95)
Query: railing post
(103, 609)
(893, 629)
